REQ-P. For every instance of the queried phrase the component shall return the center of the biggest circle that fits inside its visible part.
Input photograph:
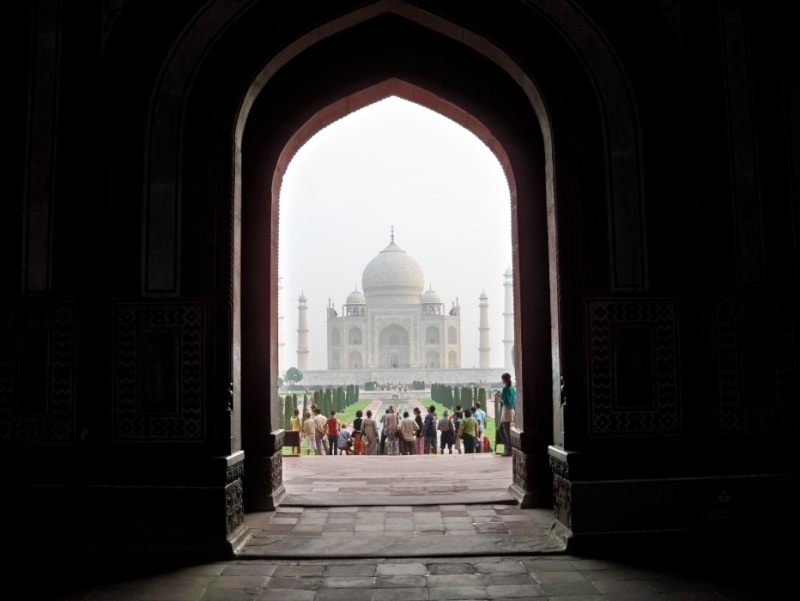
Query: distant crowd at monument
(392, 433)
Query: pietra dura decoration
(158, 375)
(757, 353)
(234, 503)
(633, 368)
(36, 373)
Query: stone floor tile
(542, 564)
(470, 532)
(304, 569)
(308, 528)
(250, 569)
(508, 566)
(221, 594)
(579, 598)
(495, 579)
(283, 520)
(295, 582)
(239, 582)
(623, 586)
(450, 568)
(485, 519)
(454, 580)
(564, 589)
(349, 527)
(547, 577)
(458, 593)
(359, 569)
(344, 509)
(209, 569)
(401, 581)
(275, 594)
(595, 564)
(400, 594)
(514, 591)
(482, 512)
(493, 528)
(348, 582)
(350, 521)
(460, 526)
(343, 594)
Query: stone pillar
(302, 334)
(484, 358)
(508, 321)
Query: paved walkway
(552, 578)
(398, 480)
(401, 531)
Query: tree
(294, 375)
(288, 410)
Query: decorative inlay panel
(403, 322)
(780, 320)
(658, 414)
(182, 418)
(48, 419)
(234, 506)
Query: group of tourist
(463, 431)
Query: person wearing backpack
(429, 431)
(448, 432)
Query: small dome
(483, 296)
(356, 298)
(302, 298)
(509, 272)
(431, 296)
(393, 273)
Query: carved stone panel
(757, 354)
(37, 372)
(633, 368)
(158, 372)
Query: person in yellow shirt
(294, 421)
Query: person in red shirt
(333, 434)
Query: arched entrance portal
(304, 96)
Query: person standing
(333, 433)
(508, 396)
(294, 421)
(392, 425)
(468, 431)
(418, 443)
(429, 431)
(480, 415)
(458, 415)
(358, 434)
(370, 429)
(309, 433)
(319, 433)
(448, 432)
(382, 450)
(408, 434)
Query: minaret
(302, 333)
(281, 339)
(484, 359)
(508, 318)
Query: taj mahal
(393, 330)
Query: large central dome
(393, 273)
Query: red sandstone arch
(401, 89)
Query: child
(309, 433)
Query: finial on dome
(392, 233)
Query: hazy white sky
(394, 163)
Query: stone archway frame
(165, 124)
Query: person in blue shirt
(508, 396)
